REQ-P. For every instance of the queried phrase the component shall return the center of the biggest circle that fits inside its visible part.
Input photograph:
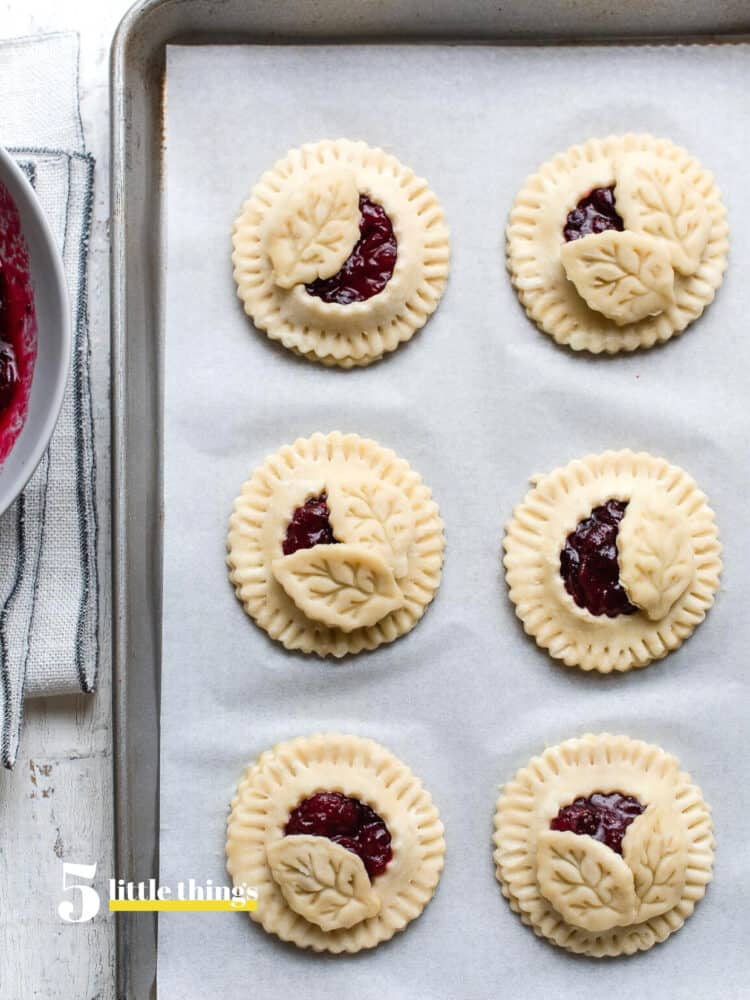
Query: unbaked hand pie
(617, 244)
(335, 545)
(341, 840)
(603, 845)
(341, 252)
(613, 560)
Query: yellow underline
(182, 905)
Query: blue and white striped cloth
(49, 594)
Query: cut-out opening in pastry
(310, 525)
(348, 822)
(370, 265)
(605, 816)
(594, 213)
(589, 562)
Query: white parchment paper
(477, 402)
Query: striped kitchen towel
(49, 595)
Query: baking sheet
(477, 402)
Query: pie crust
(280, 779)
(668, 551)
(374, 585)
(335, 334)
(675, 831)
(536, 248)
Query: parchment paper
(477, 402)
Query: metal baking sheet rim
(137, 79)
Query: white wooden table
(57, 803)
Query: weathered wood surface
(57, 804)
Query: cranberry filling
(588, 563)
(605, 816)
(593, 214)
(369, 267)
(348, 822)
(310, 525)
(9, 377)
(17, 325)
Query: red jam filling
(605, 816)
(17, 326)
(345, 821)
(9, 376)
(310, 525)
(588, 563)
(593, 214)
(369, 267)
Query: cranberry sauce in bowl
(35, 330)
(18, 331)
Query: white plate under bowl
(53, 335)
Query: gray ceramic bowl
(53, 335)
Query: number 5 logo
(89, 896)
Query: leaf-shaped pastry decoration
(624, 276)
(655, 849)
(655, 553)
(588, 884)
(314, 230)
(342, 586)
(322, 881)
(653, 196)
(375, 514)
